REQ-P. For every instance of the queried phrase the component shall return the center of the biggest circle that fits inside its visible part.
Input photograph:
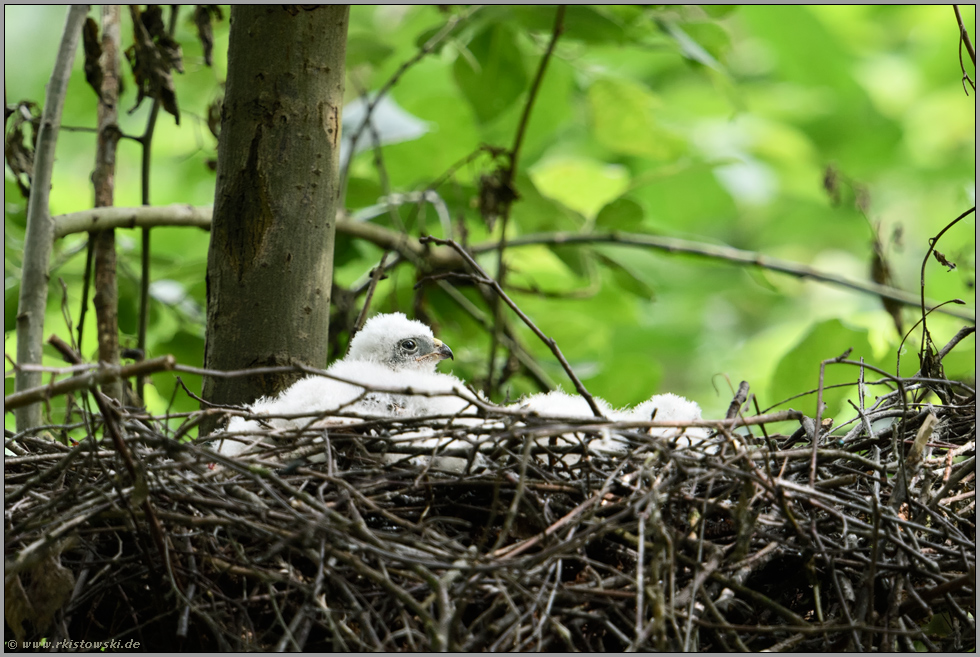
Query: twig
(922, 272)
(146, 141)
(738, 400)
(138, 217)
(104, 374)
(508, 184)
(817, 425)
(965, 36)
(503, 295)
(965, 40)
(729, 254)
(426, 48)
(446, 258)
(376, 275)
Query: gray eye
(409, 345)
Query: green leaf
(595, 25)
(534, 212)
(581, 183)
(491, 75)
(576, 258)
(718, 11)
(627, 278)
(624, 120)
(621, 214)
(689, 47)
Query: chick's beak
(442, 350)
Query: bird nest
(858, 537)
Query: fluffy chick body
(390, 358)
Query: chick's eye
(409, 345)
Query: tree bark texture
(39, 238)
(106, 299)
(270, 260)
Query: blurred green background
(713, 124)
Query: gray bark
(40, 227)
(270, 261)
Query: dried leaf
(496, 195)
(37, 594)
(214, 116)
(881, 273)
(50, 589)
(921, 438)
(941, 259)
(151, 57)
(202, 18)
(831, 183)
(152, 20)
(19, 152)
(173, 56)
(93, 55)
(16, 606)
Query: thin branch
(426, 48)
(139, 217)
(146, 141)
(922, 273)
(102, 375)
(508, 184)
(39, 237)
(376, 275)
(726, 253)
(503, 295)
(965, 36)
(515, 151)
(446, 258)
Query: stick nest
(752, 540)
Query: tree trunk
(270, 262)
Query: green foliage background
(713, 124)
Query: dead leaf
(151, 57)
(921, 438)
(16, 606)
(202, 18)
(941, 259)
(214, 116)
(37, 594)
(19, 151)
(93, 55)
(881, 273)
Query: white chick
(668, 407)
(391, 352)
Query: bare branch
(443, 257)
(503, 295)
(40, 226)
(100, 375)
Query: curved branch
(965, 36)
(442, 257)
(552, 345)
